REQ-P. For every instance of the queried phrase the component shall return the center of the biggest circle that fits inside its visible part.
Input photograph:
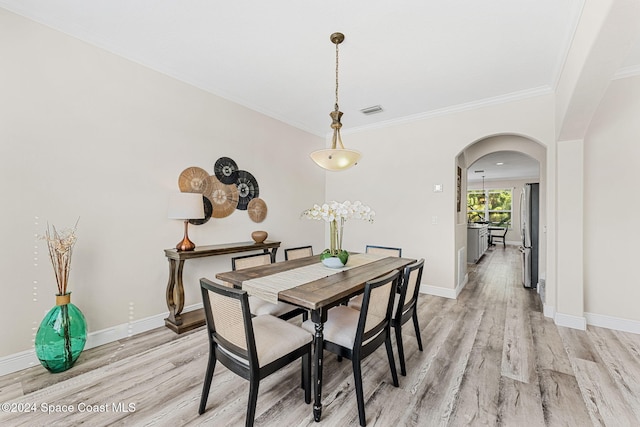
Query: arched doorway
(478, 160)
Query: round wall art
(208, 210)
(194, 180)
(228, 189)
(247, 189)
(226, 170)
(224, 198)
(257, 210)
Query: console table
(181, 322)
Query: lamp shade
(335, 159)
(186, 206)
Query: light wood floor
(490, 358)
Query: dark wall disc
(247, 189)
(226, 170)
(208, 210)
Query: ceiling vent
(371, 110)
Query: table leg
(175, 292)
(273, 254)
(318, 317)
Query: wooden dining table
(318, 296)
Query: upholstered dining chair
(253, 348)
(356, 301)
(299, 252)
(356, 334)
(405, 307)
(259, 306)
(383, 250)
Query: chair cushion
(259, 307)
(356, 302)
(276, 338)
(340, 327)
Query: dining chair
(258, 305)
(299, 252)
(356, 301)
(251, 347)
(501, 236)
(405, 307)
(383, 250)
(356, 334)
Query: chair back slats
(227, 319)
(376, 307)
(410, 287)
(413, 280)
(248, 261)
(384, 250)
(300, 252)
(378, 303)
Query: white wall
(611, 205)
(84, 133)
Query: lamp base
(186, 244)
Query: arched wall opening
(464, 160)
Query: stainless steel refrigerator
(529, 230)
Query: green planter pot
(334, 261)
(61, 336)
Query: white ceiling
(514, 165)
(415, 58)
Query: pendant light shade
(336, 158)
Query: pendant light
(482, 199)
(337, 157)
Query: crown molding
(487, 102)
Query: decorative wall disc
(247, 189)
(226, 170)
(224, 198)
(257, 210)
(194, 180)
(208, 210)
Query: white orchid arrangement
(336, 214)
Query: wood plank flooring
(490, 358)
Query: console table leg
(175, 294)
(273, 254)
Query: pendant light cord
(337, 44)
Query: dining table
(307, 283)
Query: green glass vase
(61, 336)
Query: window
(492, 206)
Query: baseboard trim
(441, 292)
(570, 321)
(26, 359)
(461, 286)
(615, 323)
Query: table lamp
(186, 206)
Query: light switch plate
(437, 188)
